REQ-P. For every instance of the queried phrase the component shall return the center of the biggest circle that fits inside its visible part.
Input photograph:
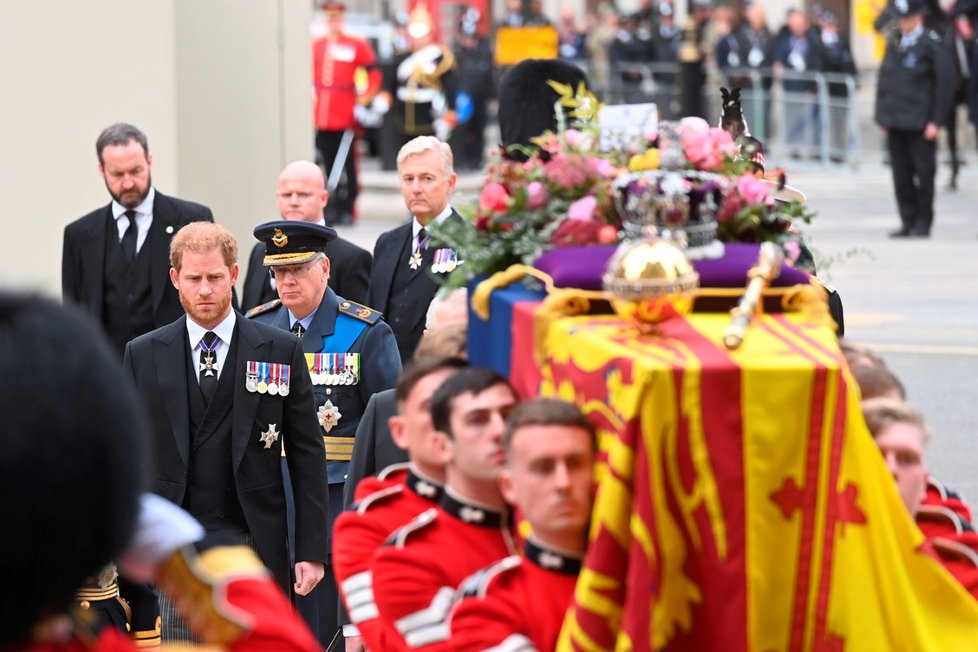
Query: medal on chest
(329, 415)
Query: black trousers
(345, 194)
(913, 160)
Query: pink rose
(697, 146)
(582, 209)
(601, 168)
(574, 137)
(494, 198)
(537, 195)
(753, 190)
(692, 125)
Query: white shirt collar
(441, 217)
(144, 208)
(224, 330)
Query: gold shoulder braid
(195, 582)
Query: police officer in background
(351, 353)
(914, 96)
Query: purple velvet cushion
(582, 267)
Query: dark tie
(208, 365)
(421, 236)
(298, 330)
(129, 237)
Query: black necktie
(421, 236)
(208, 365)
(298, 330)
(129, 237)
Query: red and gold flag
(742, 504)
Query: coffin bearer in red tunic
(336, 58)
(397, 496)
(417, 571)
(519, 602)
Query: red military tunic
(418, 569)
(945, 519)
(236, 604)
(516, 604)
(335, 61)
(384, 504)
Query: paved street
(915, 301)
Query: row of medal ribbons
(268, 378)
(334, 368)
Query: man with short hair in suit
(116, 259)
(225, 396)
(401, 285)
(302, 196)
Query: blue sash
(346, 331)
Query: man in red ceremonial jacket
(416, 572)
(901, 434)
(393, 499)
(519, 602)
(73, 504)
(336, 58)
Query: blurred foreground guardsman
(74, 503)
(350, 354)
(914, 97)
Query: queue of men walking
(244, 408)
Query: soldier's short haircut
(882, 412)
(545, 412)
(200, 237)
(72, 466)
(418, 369)
(119, 134)
(471, 380)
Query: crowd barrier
(800, 116)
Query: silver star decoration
(208, 366)
(472, 515)
(329, 415)
(270, 436)
(415, 261)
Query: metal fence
(807, 117)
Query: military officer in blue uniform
(351, 353)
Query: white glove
(161, 529)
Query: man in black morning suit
(220, 457)
(401, 285)
(302, 196)
(116, 270)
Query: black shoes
(910, 233)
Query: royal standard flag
(742, 504)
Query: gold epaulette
(359, 311)
(195, 583)
(263, 308)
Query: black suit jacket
(156, 362)
(373, 448)
(392, 249)
(83, 256)
(349, 274)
